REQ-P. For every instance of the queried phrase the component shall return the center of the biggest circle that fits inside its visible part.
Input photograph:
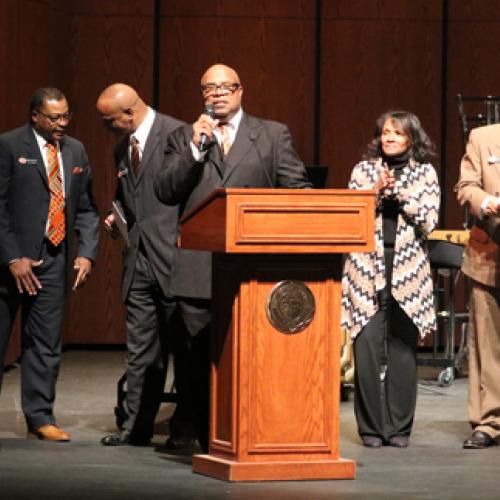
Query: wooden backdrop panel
(270, 44)
(31, 51)
(473, 71)
(110, 42)
(376, 56)
(25, 26)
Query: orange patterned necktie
(57, 224)
(225, 139)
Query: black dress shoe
(399, 441)
(372, 441)
(479, 440)
(174, 443)
(124, 438)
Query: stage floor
(434, 466)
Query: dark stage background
(327, 68)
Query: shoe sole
(32, 435)
(477, 447)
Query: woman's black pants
(386, 408)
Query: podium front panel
(274, 393)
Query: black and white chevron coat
(364, 273)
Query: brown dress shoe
(49, 432)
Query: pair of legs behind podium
(385, 402)
(156, 324)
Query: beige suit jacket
(480, 178)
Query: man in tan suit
(479, 189)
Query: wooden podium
(275, 349)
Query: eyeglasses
(56, 118)
(225, 88)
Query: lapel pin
(77, 170)
(122, 172)
(27, 161)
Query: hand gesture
(204, 125)
(492, 207)
(83, 268)
(22, 270)
(110, 226)
(386, 180)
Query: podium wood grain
(275, 396)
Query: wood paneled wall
(385, 55)
(110, 41)
(374, 55)
(271, 44)
(30, 48)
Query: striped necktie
(135, 155)
(57, 225)
(225, 139)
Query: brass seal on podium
(290, 306)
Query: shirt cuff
(484, 204)
(197, 154)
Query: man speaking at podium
(224, 148)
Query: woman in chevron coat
(387, 301)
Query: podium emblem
(290, 306)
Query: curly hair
(421, 147)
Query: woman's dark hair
(421, 147)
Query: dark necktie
(135, 155)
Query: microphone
(492, 160)
(209, 111)
(253, 136)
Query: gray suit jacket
(149, 221)
(25, 198)
(262, 155)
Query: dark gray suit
(262, 155)
(152, 232)
(24, 207)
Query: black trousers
(386, 409)
(41, 318)
(149, 314)
(192, 371)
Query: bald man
(228, 149)
(151, 230)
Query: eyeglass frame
(225, 88)
(61, 116)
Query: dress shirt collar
(142, 132)
(41, 141)
(232, 126)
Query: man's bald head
(220, 72)
(121, 108)
(221, 88)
